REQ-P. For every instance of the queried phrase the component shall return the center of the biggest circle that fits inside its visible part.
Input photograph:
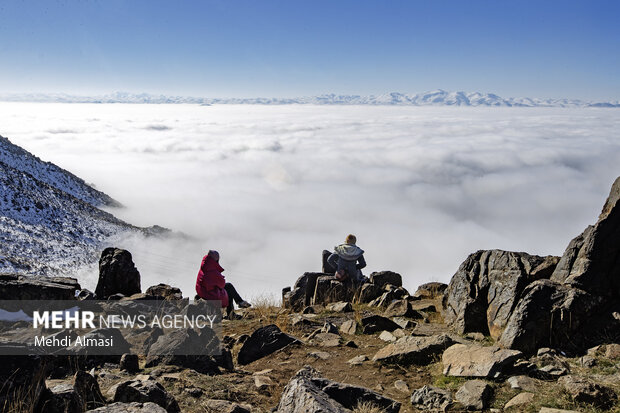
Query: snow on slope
(49, 220)
(432, 98)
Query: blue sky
(291, 48)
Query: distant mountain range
(433, 98)
(50, 221)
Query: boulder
(358, 360)
(369, 292)
(143, 391)
(133, 407)
(330, 290)
(591, 261)
(375, 323)
(585, 391)
(486, 287)
(300, 296)
(29, 287)
(473, 360)
(401, 308)
(474, 395)
(413, 350)
(308, 392)
(348, 327)
(129, 363)
(62, 398)
(87, 388)
(550, 315)
(382, 278)
(524, 383)
(164, 291)
(326, 339)
(520, 401)
(401, 386)
(263, 342)
(431, 290)
(431, 398)
(225, 406)
(117, 274)
(340, 307)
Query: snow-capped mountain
(50, 223)
(432, 98)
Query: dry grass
(267, 308)
(367, 407)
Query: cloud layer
(271, 186)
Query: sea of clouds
(270, 187)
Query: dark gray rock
(431, 398)
(330, 290)
(375, 323)
(88, 389)
(486, 288)
(143, 391)
(28, 287)
(302, 293)
(164, 291)
(264, 341)
(340, 307)
(308, 392)
(85, 294)
(117, 274)
(133, 407)
(129, 363)
(369, 292)
(382, 278)
(431, 290)
(413, 350)
(585, 391)
(61, 398)
(474, 395)
(402, 308)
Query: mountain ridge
(437, 97)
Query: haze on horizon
(278, 48)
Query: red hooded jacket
(210, 282)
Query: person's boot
(244, 304)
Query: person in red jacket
(211, 284)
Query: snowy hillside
(432, 98)
(49, 220)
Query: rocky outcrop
(308, 392)
(431, 290)
(26, 287)
(330, 290)
(264, 341)
(413, 350)
(143, 391)
(117, 274)
(474, 360)
(383, 278)
(302, 293)
(432, 399)
(163, 291)
(484, 291)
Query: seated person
(348, 260)
(211, 285)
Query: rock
(146, 391)
(401, 386)
(327, 339)
(387, 336)
(587, 361)
(62, 398)
(413, 350)
(348, 327)
(263, 341)
(551, 365)
(340, 307)
(29, 287)
(374, 323)
(585, 391)
(323, 355)
(431, 290)
(308, 392)
(474, 395)
(401, 308)
(551, 410)
(403, 322)
(521, 399)
(87, 388)
(486, 287)
(475, 336)
(262, 382)
(301, 294)
(164, 291)
(351, 344)
(224, 359)
(330, 290)
(85, 294)
(381, 278)
(357, 360)
(591, 261)
(524, 383)
(117, 274)
(472, 360)
(133, 407)
(304, 320)
(129, 363)
(369, 292)
(225, 406)
(329, 328)
(431, 398)
(549, 314)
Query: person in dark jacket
(211, 284)
(348, 260)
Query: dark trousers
(233, 295)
